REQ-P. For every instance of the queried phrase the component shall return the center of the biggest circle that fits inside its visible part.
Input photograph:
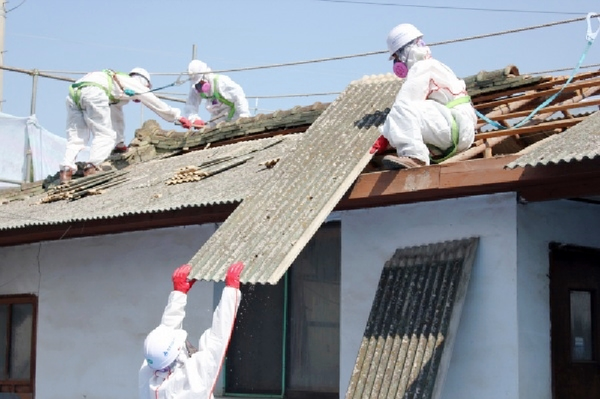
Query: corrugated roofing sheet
(272, 225)
(408, 339)
(575, 144)
(145, 190)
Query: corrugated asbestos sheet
(575, 144)
(408, 340)
(273, 224)
(145, 189)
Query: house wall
(539, 224)
(98, 298)
(484, 362)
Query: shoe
(120, 148)
(90, 169)
(394, 162)
(65, 175)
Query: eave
(375, 189)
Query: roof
(408, 340)
(576, 144)
(237, 158)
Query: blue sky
(80, 36)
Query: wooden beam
(475, 177)
(542, 127)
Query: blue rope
(542, 105)
(130, 92)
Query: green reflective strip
(75, 88)
(450, 151)
(458, 101)
(220, 98)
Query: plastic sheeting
(47, 149)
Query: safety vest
(216, 95)
(450, 151)
(75, 88)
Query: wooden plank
(542, 127)
(536, 94)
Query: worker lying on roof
(95, 104)
(432, 117)
(225, 99)
(169, 369)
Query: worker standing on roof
(170, 369)
(432, 117)
(95, 104)
(225, 99)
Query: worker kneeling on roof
(225, 99)
(432, 117)
(95, 104)
(171, 367)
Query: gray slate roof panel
(272, 225)
(145, 190)
(407, 344)
(580, 142)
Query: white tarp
(47, 149)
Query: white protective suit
(102, 116)
(420, 116)
(226, 101)
(195, 376)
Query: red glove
(185, 122)
(233, 275)
(198, 123)
(180, 279)
(380, 145)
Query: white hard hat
(400, 36)
(196, 69)
(142, 72)
(162, 346)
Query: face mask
(408, 55)
(203, 87)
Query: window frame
(25, 388)
(333, 227)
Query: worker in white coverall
(95, 105)
(169, 369)
(432, 117)
(225, 99)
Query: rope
(590, 37)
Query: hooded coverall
(194, 377)
(96, 105)
(226, 101)
(424, 112)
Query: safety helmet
(143, 73)
(196, 70)
(162, 346)
(400, 36)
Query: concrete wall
(484, 363)
(98, 298)
(539, 224)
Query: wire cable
(455, 8)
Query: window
(17, 337)
(286, 339)
(575, 321)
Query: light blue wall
(484, 362)
(98, 298)
(539, 224)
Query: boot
(394, 162)
(90, 169)
(120, 148)
(65, 175)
